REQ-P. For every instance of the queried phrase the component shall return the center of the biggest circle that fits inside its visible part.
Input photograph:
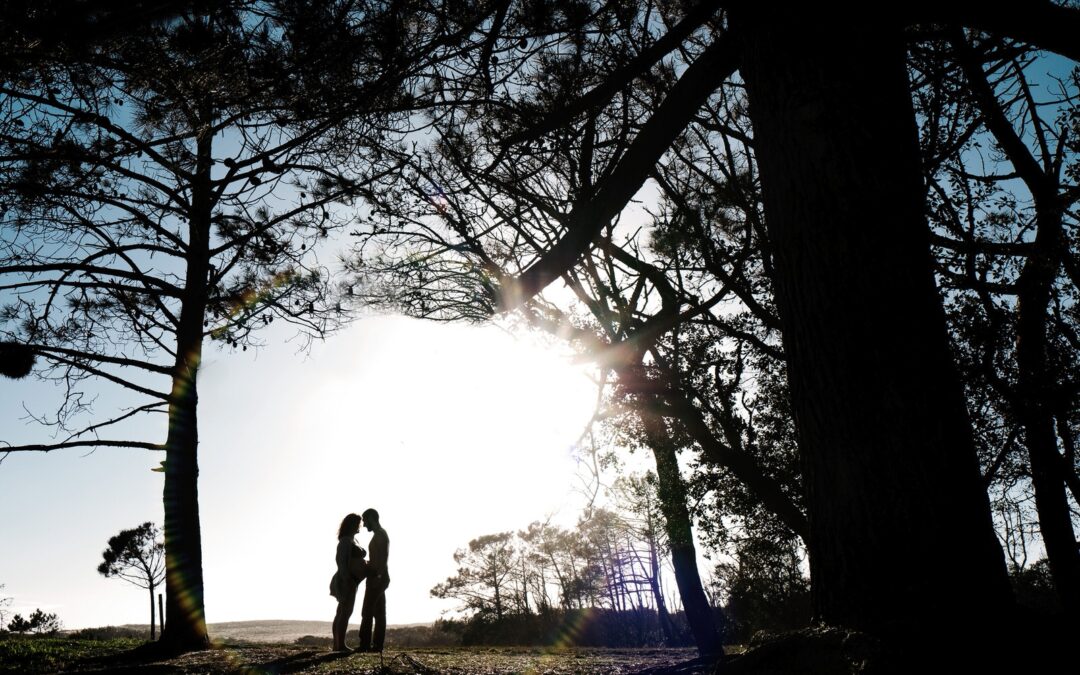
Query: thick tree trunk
(185, 628)
(186, 624)
(1035, 406)
(671, 491)
(901, 538)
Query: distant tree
(483, 576)
(42, 622)
(18, 624)
(138, 557)
(553, 556)
(537, 567)
(642, 509)
(5, 602)
(38, 622)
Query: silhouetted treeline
(602, 584)
(600, 627)
(590, 627)
(610, 560)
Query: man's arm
(380, 552)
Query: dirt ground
(253, 659)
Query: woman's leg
(337, 628)
(337, 642)
(341, 619)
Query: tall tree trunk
(1068, 461)
(153, 627)
(671, 491)
(186, 624)
(1035, 410)
(185, 628)
(524, 586)
(1037, 395)
(901, 538)
(667, 626)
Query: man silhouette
(374, 607)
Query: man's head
(371, 519)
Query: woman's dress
(351, 569)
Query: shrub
(1034, 587)
(110, 633)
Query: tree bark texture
(901, 536)
(185, 628)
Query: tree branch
(49, 447)
(588, 219)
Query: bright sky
(450, 431)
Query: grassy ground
(50, 655)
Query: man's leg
(379, 613)
(366, 613)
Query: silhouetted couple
(351, 570)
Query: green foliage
(48, 654)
